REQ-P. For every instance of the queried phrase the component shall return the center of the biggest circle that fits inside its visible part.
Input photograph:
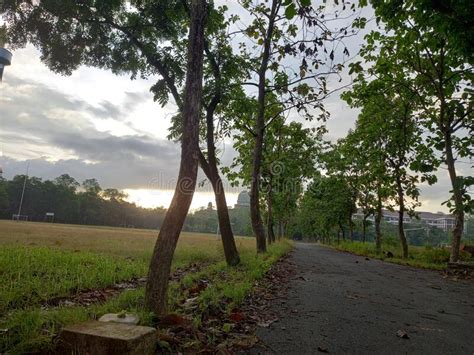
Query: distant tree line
(89, 204)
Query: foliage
(429, 54)
(324, 208)
(283, 176)
(451, 18)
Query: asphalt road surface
(344, 304)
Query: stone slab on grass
(107, 338)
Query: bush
(435, 255)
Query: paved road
(349, 305)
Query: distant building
(243, 200)
(440, 220)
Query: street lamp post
(5, 58)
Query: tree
(340, 162)
(137, 38)
(290, 154)
(436, 70)
(91, 187)
(114, 195)
(289, 157)
(68, 182)
(275, 40)
(156, 292)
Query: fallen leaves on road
(402, 334)
(322, 349)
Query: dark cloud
(105, 109)
(132, 99)
(40, 121)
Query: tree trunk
(378, 219)
(457, 197)
(159, 271)
(255, 214)
(364, 225)
(351, 228)
(401, 212)
(280, 229)
(210, 169)
(343, 232)
(270, 233)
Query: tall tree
(282, 34)
(288, 162)
(160, 266)
(340, 161)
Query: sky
(94, 124)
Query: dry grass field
(123, 242)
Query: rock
(107, 338)
(126, 318)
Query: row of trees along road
(414, 92)
(256, 72)
(417, 103)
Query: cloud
(56, 133)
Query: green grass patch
(421, 257)
(32, 275)
(30, 328)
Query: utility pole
(23, 191)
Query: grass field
(418, 256)
(39, 262)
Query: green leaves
(355, 68)
(290, 11)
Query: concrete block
(107, 338)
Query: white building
(440, 220)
